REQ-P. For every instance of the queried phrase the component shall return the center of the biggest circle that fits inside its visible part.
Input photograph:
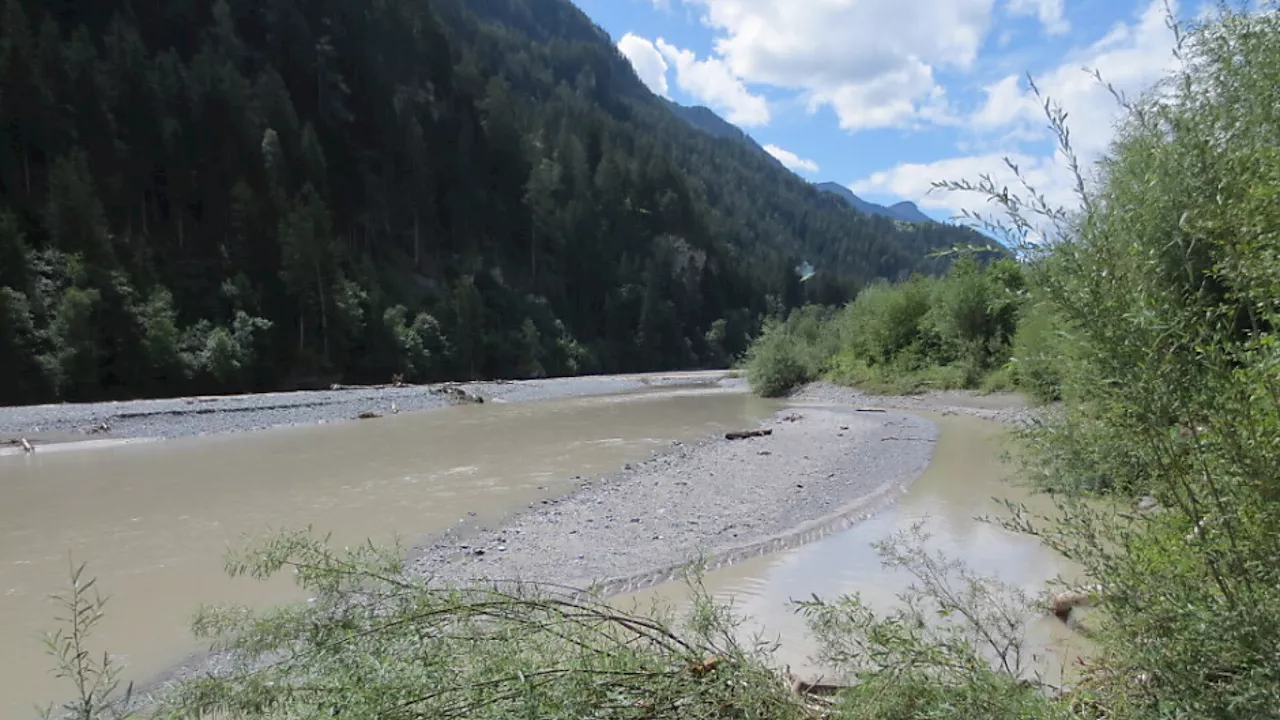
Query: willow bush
(375, 642)
(1167, 285)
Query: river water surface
(153, 520)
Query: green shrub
(1168, 281)
(375, 643)
(1039, 350)
(926, 333)
(952, 651)
(791, 353)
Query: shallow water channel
(153, 520)
(965, 474)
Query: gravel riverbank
(721, 500)
(177, 417)
(1006, 408)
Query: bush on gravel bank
(926, 333)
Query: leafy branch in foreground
(96, 682)
(955, 648)
(374, 642)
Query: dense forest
(242, 195)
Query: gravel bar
(719, 501)
(1005, 407)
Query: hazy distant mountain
(905, 211)
(706, 120)
(908, 211)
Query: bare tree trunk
(417, 241)
(324, 312)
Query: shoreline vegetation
(1159, 303)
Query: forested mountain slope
(253, 194)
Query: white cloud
(1049, 12)
(712, 82)
(792, 160)
(914, 181)
(873, 62)
(648, 62)
(1131, 57)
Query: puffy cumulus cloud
(792, 160)
(872, 61)
(1132, 56)
(712, 82)
(648, 62)
(1048, 12)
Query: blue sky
(887, 96)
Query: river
(153, 520)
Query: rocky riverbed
(207, 415)
(721, 500)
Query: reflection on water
(966, 473)
(154, 519)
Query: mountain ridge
(708, 121)
(450, 189)
(905, 211)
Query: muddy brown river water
(153, 520)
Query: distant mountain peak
(905, 211)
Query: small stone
(502, 548)
(478, 551)
(580, 557)
(635, 520)
(799, 485)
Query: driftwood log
(744, 434)
(1063, 602)
(814, 688)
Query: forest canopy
(241, 195)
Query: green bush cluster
(955, 331)
(1169, 283)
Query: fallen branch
(743, 434)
